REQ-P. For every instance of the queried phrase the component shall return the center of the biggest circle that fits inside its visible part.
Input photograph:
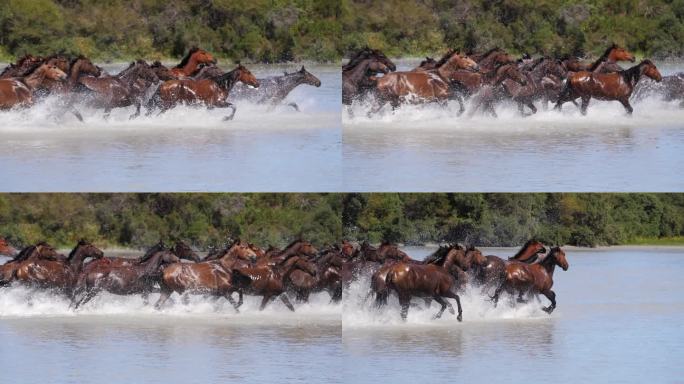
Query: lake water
(619, 319)
(427, 148)
(185, 149)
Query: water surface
(618, 320)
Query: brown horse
(191, 63)
(607, 86)
(120, 91)
(59, 275)
(420, 87)
(359, 79)
(18, 92)
(368, 53)
(126, 280)
(212, 93)
(492, 272)
(533, 279)
(268, 281)
(22, 67)
(38, 251)
(493, 89)
(327, 277)
(273, 90)
(423, 280)
(6, 249)
(206, 277)
(297, 247)
(606, 63)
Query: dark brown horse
(493, 90)
(206, 277)
(58, 275)
(18, 92)
(607, 86)
(368, 53)
(268, 281)
(120, 91)
(327, 277)
(22, 67)
(273, 90)
(138, 278)
(212, 93)
(191, 63)
(297, 247)
(360, 78)
(533, 279)
(606, 63)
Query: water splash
(357, 312)
(20, 301)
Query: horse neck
(291, 81)
(549, 264)
(633, 75)
(359, 71)
(230, 79)
(151, 265)
(75, 73)
(288, 267)
(33, 80)
(76, 259)
(190, 66)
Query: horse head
(309, 78)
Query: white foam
(19, 301)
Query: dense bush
(256, 30)
(138, 220)
(412, 28)
(511, 219)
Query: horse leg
(264, 301)
(551, 295)
(443, 303)
(531, 106)
(497, 294)
(454, 296)
(146, 298)
(520, 297)
(107, 112)
(185, 298)
(295, 106)
(405, 302)
(232, 114)
(76, 113)
(628, 107)
(287, 303)
(230, 299)
(88, 296)
(585, 104)
(163, 297)
(137, 111)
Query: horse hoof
(547, 310)
(228, 118)
(459, 318)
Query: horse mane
(438, 255)
(538, 61)
(185, 60)
(24, 253)
(633, 74)
(228, 79)
(529, 260)
(150, 252)
(292, 243)
(602, 58)
(489, 53)
(445, 58)
(357, 58)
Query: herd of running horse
(495, 76)
(296, 271)
(196, 80)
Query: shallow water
(118, 339)
(427, 148)
(618, 319)
(185, 149)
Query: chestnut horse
(39, 251)
(6, 249)
(423, 280)
(18, 92)
(607, 86)
(297, 247)
(533, 279)
(126, 280)
(59, 275)
(492, 272)
(191, 63)
(22, 67)
(420, 87)
(206, 277)
(268, 281)
(212, 93)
